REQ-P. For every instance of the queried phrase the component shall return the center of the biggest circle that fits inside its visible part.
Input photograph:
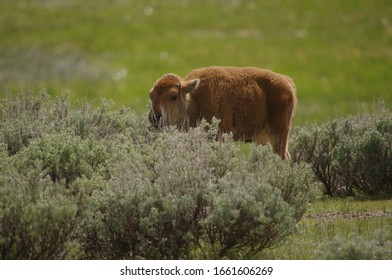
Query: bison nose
(154, 118)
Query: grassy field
(327, 219)
(338, 52)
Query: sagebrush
(351, 155)
(380, 248)
(92, 181)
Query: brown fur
(254, 104)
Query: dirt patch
(326, 217)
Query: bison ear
(189, 86)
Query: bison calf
(254, 104)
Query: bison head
(168, 100)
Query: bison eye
(173, 98)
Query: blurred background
(338, 52)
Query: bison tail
(294, 93)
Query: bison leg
(263, 138)
(279, 142)
(283, 145)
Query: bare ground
(326, 217)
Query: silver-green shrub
(186, 195)
(38, 218)
(27, 117)
(351, 155)
(364, 163)
(379, 248)
(64, 156)
(96, 182)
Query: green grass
(313, 233)
(327, 219)
(349, 205)
(338, 52)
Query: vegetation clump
(95, 182)
(380, 248)
(351, 155)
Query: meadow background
(338, 52)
